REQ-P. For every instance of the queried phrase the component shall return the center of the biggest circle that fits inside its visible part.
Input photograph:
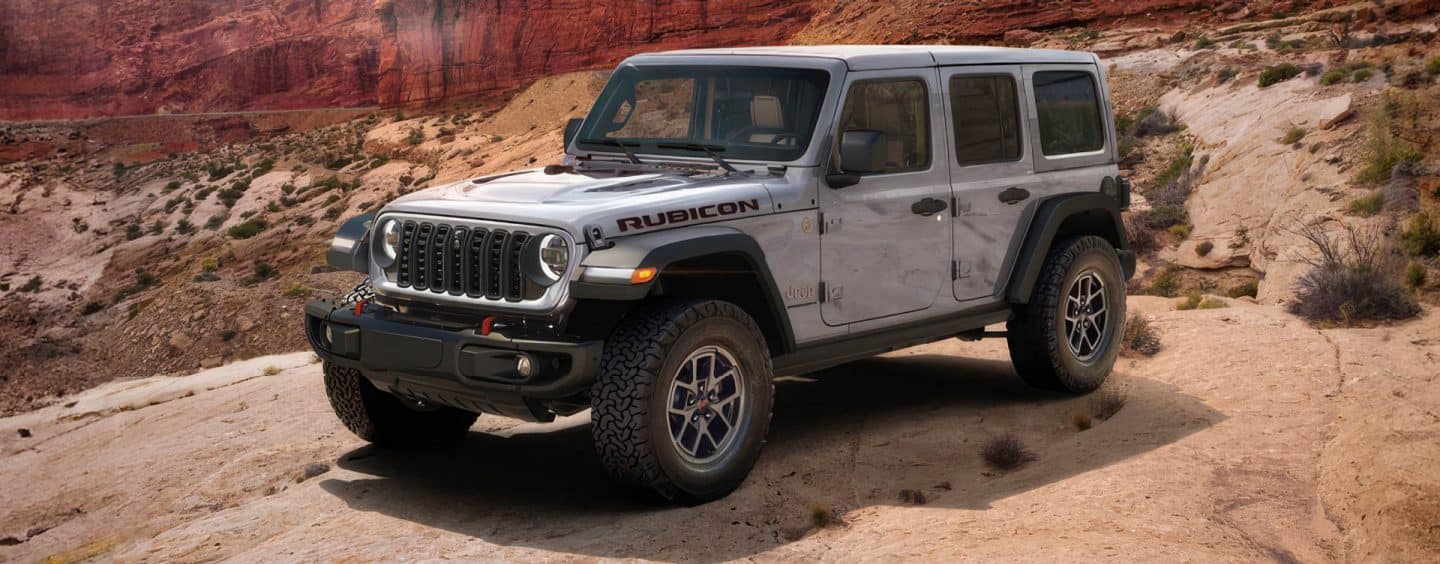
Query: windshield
(744, 113)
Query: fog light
(524, 366)
(325, 340)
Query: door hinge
(821, 290)
(954, 206)
(820, 218)
(954, 270)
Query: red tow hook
(359, 306)
(486, 324)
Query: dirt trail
(1225, 450)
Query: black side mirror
(572, 127)
(862, 150)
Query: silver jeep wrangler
(726, 215)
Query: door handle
(1012, 196)
(928, 207)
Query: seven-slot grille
(459, 260)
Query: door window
(1068, 108)
(986, 117)
(899, 109)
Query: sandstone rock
(1021, 37)
(180, 341)
(212, 362)
(1336, 111)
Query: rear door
(885, 243)
(991, 174)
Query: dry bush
(1108, 402)
(1353, 278)
(821, 515)
(1006, 453)
(1139, 337)
(913, 497)
(1141, 239)
(1081, 421)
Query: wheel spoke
(696, 437)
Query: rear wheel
(683, 399)
(1067, 337)
(386, 420)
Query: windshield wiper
(712, 150)
(624, 147)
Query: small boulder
(212, 362)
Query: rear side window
(1067, 105)
(899, 109)
(986, 116)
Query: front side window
(1067, 105)
(743, 113)
(900, 110)
(986, 116)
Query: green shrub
(1293, 136)
(1384, 151)
(1433, 67)
(133, 231)
(1166, 283)
(1204, 43)
(1415, 275)
(1204, 248)
(415, 137)
(1226, 74)
(1195, 300)
(296, 291)
(1362, 75)
(227, 335)
(1367, 205)
(1180, 230)
(1278, 73)
(210, 264)
(215, 221)
(1421, 237)
(1333, 76)
(172, 186)
(248, 229)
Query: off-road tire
(628, 416)
(1038, 346)
(383, 419)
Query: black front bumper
(457, 367)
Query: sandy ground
(1249, 437)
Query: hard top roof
(871, 57)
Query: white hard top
(872, 57)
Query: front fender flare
(350, 249)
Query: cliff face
(434, 49)
(77, 58)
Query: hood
(572, 200)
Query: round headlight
(554, 257)
(389, 240)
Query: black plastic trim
(832, 352)
(350, 248)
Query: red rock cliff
(435, 49)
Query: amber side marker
(642, 275)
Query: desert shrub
(133, 231)
(119, 170)
(270, 370)
(1385, 151)
(1293, 136)
(157, 228)
(1226, 75)
(248, 229)
(1204, 43)
(1421, 237)
(215, 221)
(1195, 300)
(1141, 239)
(31, 285)
(227, 335)
(210, 264)
(296, 291)
(1249, 288)
(1139, 337)
(1415, 275)
(415, 137)
(172, 186)
(1181, 230)
(1006, 453)
(264, 271)
(821, 515)
(1204, 248)
(1082, 421)
(216, 171)
(1152, 121)
(91, 308)
(1352, 278)
(1333, 76)
(1362, 75)
(1367, 205)
(1167, 282)
(1278, 73)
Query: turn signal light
(642, 275)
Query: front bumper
(457, 367)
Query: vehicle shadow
(850, 437)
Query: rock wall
(436, 49)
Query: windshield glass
(742, 113)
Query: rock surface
(1223, 451)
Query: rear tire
(386, 420)
(682, 402)
(1066, 339)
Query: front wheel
(683, 399)
(386, 420)
(1066, 339)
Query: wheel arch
(709, 262)
(1090, 213)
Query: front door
(885, 243)
(990, 171)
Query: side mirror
(572, 127)
(861, 151)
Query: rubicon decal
(685, 215)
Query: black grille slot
(460, 260)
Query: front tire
(1066, 339)
(683, 399)
(386, 420)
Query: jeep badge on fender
(689, 249)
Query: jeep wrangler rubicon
(725, 215)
